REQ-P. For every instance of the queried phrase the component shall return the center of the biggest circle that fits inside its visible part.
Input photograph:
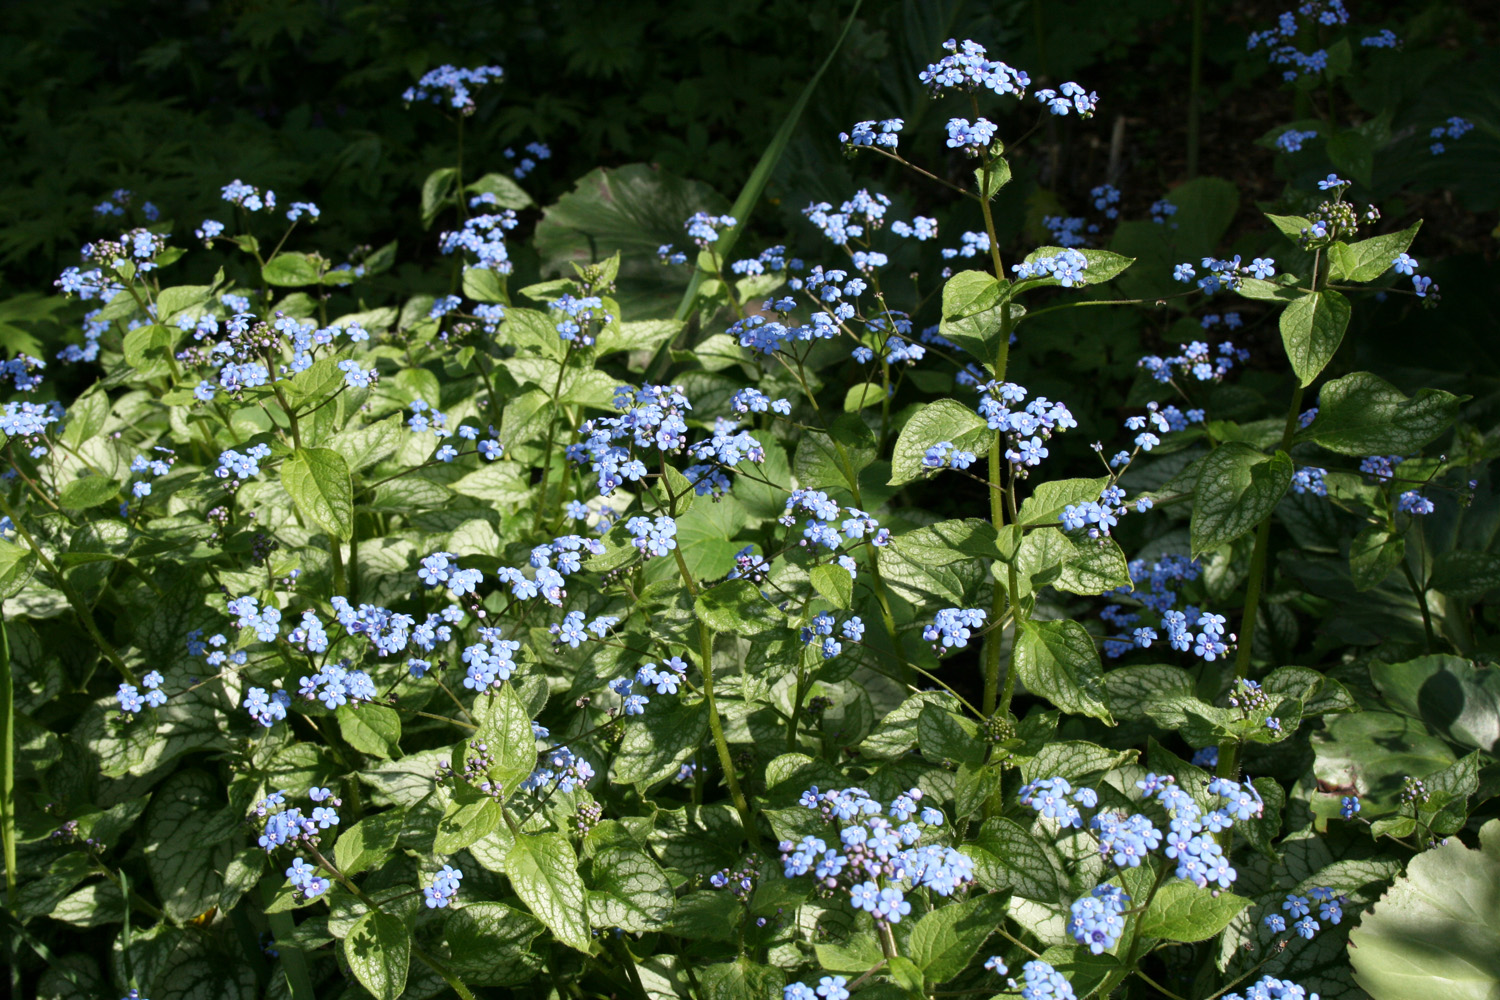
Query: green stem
(1229, 749)
(1001, 600)
(1421, 594)
(8, 763)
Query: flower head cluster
(872, 133)
(580, 317)
(1292, 139)
(1026, 428)
(1309, 479)
(537, 151)
(1299, 910)
(1456, 128)
(490, 663)
(820, 632)
(952, 628)
(290, 825)
(562, 767)
(1278, 41)
(972, 139)
(878, 856)
(967, 67)
(1196, 361)
(724, 449)
(820, 529)
(1066, 267)
(336, 685)
(704, 229)
(946, 455)
(484, 237)
(1414, 503)
(131, 699)
(248, 196)
(236, 467)
(652, 417)
(1070, 97)
(1271, 988)
(452, 87)
(1127, 840)
(306, 882)
(665, 679)
(1097, 919)
(444, 887)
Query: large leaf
(1238, 487)
(660, 741)
(1436, 933)
(940, 420)
(1058, 660)
(378, 950)
(543, 870)
(1457, 698)
(1363, 414)
(186, 851)
(633, 210)
(318, 481)
(1312, 328)
(972, 313)
(945, 940)
(489, 944)
(1369, 259)
(1374, 752)
(1180, 911)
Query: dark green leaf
(543, 870)
(371, 729)
(940, 420)
(379, 950)
(945, 940)
(1238, 487)
(1312, 328)
(318, 481)
(1362, 414)
(1180, 911)
(1058, 660)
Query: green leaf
(862, 395)
(1049, 499)
(1180, 911)
(508, 194)
(973, 313)
(945, 940)
(368, 843)
(835, 461)
(437, 192)
(371, 729)
(180, 298)
(940, 420)
(1369, 259)
(1102, 266)
(990, 179)
(628, 890)
(490, 944)
(658, 742)
(504, 722)
(314, 384)
(833, 584)
(317, 479)
(1375, 751)
(1465, 574)
(1362, 414)
(1312, 328)
(485, 285)
(186, 852)
(543, 870)
(470, 817)
(1290, 226)
(740, 980)
(944, 735)
(90, 491)
(1010, 859)
(1373, 554)
(738, 608)
(1459, 699)
(1436, 933)
(1238, 487)
(291, 270)
(148, 349)
(378, 950)
(86, 417)
(1351, 150)
(1058, 660)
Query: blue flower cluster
(1299, 911)
(538, 151)
(290, 825)
(946, 455)
(1128, 840)
(452, 86)
(562, 767)
(1309, 479)
(1278, 40)
(266, 708)
(1195, 360)
(1026, 429)
(1098, 517)
(967, 67)
(248, 196)
(861, 212)
(704, 229)
(1414, 503)
(335, 684)
(1456, 128)
(484, 237)
(1271, 988)
(306, 880)
(572, 631)
(972, 139)
(828, 988)
(491, 662)
(1070, 97)
(236, 467)
(1067, 267)
(820, 530)
(1098, 920)
(820, 631)
(952, 628)
(444, 887)
(131, 699)
(865, 134)
(880, 861)
(581, 317)
(1292, 139)
(665, 679)
(1039, 980)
